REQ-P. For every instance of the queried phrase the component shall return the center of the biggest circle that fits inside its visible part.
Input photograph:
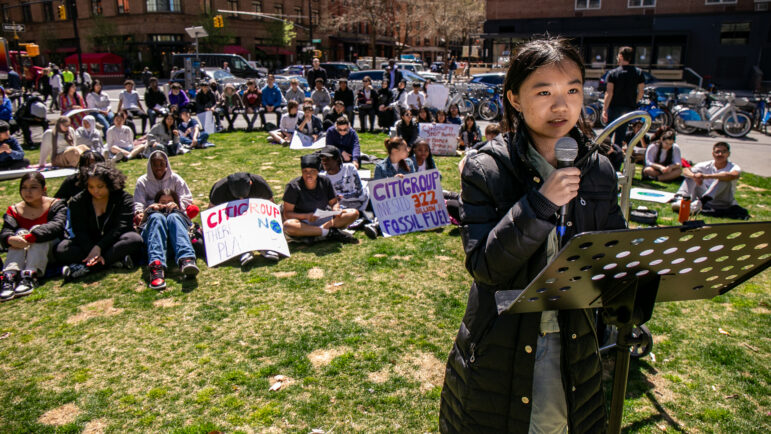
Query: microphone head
(566, 151)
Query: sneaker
(128, 262)
(342, 236)
(27, 284)
(270, 255)
(8, 285)
(247, 259)
(74, 271)
(188, 267)
(371, 230)
(157, 277)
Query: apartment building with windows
(727, 42)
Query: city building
(726, 42)
(148, 32)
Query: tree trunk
(373, 44)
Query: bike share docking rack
(626, 272)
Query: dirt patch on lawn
(315, 273)
(60, 415)
(93, 310)
(443, 258)
(165, 302)
(333, 287)
(323, 357)
(380, 376)
(424, 368)
(284, 274)
(97, 426)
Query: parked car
(282, 81)
(377, 75)
(220, 75)
(417, 68)
(239, 66)
(293, 70)
(489, 78)
(336, 70)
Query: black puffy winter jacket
(506, 221)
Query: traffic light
(33, 50)
(317, 54)
(218, 21)
(62, 12)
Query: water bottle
(685, 209)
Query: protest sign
(436, 96)
(304, 141)
(206, 118)
(409, 204)
(442, 138)
(234, 228)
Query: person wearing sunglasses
(663, 158)
(344, 137)
(406, 128)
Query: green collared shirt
(549, 322)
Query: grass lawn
(357, 334)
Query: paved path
(752, 153)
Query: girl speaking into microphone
(533, 372)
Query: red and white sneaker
(157, 276)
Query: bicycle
(711, 113)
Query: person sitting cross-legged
(243, 185)
(190, 132)
(712, 186)
(308, 193)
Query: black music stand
(626, 272)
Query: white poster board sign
(410, 204)
(234, 228)
(437, 96)
(650, 195)
(303, 141)
(206, 118)
(442, 138)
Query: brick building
(727, 42)
(148, 32)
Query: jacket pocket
(590, 210)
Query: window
(641, 3)
(26, 13)
(298, 15)
(735, 33)
(257, 7)
(587, 4)
(316, 18)
(233, 6)
(123, 6)
(720, 2)
(48, 11)
(206, 7)
(669, 56)
(597, 56)
(642, 55)
(163, 6)
(96, 7)
(279, 9)
(166, 38)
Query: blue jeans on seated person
(105, 121)
(203, 136)
(164, 229)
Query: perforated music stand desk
(626, 272)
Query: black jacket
(313, 74)
(155, 97)
(53, 229)
(346, 96)
(361, 99)
(408, 132)
(506, 222)
(85, 227)
(384, 97)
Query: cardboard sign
(303, 141)
(437, 96)
(206, 118)
(410, 204)
(442, 138)
(234, 228)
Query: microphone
(566, 151)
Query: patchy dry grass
(357, 335)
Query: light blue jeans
(550, 410)
(164, 229)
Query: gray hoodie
(147, 186)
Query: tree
(453, 21)
(377, 15)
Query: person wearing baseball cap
(310, 192)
